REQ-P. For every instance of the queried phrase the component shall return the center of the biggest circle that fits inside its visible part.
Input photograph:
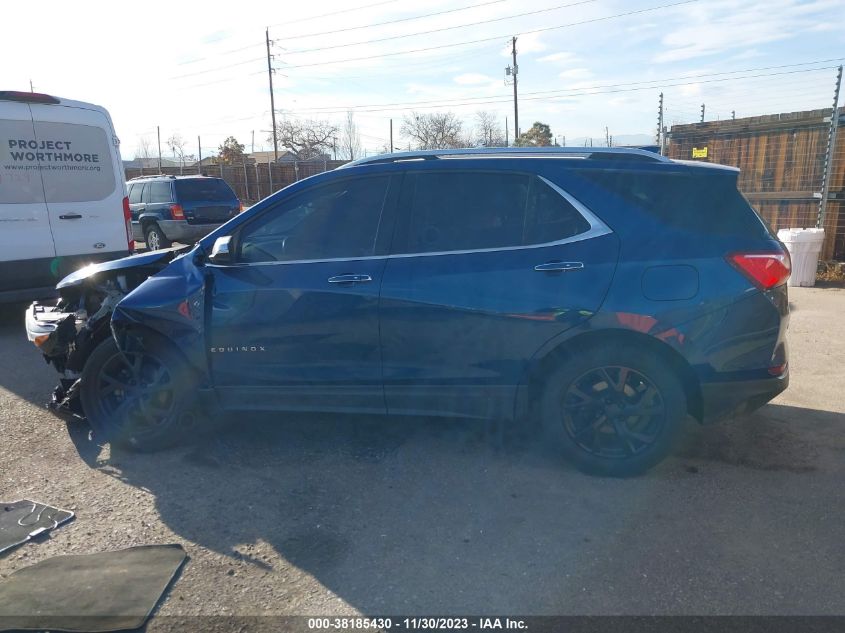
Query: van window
(20, 180)
(159, 191)
(135, 192)
(75, 161)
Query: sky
(588, 68)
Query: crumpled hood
(133, 261)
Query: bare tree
(177, 145)
(438, 130)
(350, 139)
(144, 151)
(306, 139)
(488, 130)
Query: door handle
(556, 267)
(70, 216)
(349, 279)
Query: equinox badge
(251, 348)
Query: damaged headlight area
(66, 330)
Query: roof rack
(600, 153)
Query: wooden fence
(251, 182)
(781, 158)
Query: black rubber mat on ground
(110, 591)
(23, 520)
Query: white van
(63, 197)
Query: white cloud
(576, 73)
(470, 79)
(563, 57)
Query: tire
(155, 238)
(614, 410)
(140, 400)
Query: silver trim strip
(597, 229)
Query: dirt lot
(309, 515)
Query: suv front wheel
(155, 237)
(615, 410)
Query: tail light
(764, 270)
(127, 221)
(177, 212)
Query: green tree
(539, 135)
(231, 152)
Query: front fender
(171, 303)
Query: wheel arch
(529, 390)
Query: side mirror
(220, 251)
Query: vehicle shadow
(429, 516)
(22, 368)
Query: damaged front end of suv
(68, 329)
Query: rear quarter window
(697, 203)
(204, 190)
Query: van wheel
(155, 238)
(138, 399)
(614, 410)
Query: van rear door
(27, 251)
(83, 180)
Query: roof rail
(151, 176)
(600, 153)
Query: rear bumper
(178, 230)
(726, 399)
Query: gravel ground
(315, 515)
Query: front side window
(159, 191)
(336, 220)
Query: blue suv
(604, 294)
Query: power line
(581, 90)
(408, 19)
(553, 97)
(440, 30)
(498, 37)
(211, 70)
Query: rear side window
(204, 190)
(159, 191)
(455, 211)
(707, 204)
(135, 193)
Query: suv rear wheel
(615, 410)
(155, 237)
(139, 399)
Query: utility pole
(606, 136)
(828, 155)
(272, 99)
(660, 136)
(199, 156)
(506, 132)
(515, 72)
(31, 89)
(702, 113)
(158, 134)
(253, 142)
(334, 147)
(391, 136)
(733, 115)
